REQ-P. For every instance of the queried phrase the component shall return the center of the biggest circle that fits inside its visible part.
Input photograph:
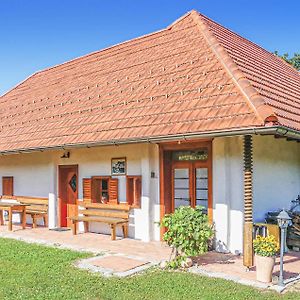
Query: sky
(36, 34)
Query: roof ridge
(181, 18)
(256, 102)
(252, 43)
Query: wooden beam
(248, 203)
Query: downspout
(248, 203)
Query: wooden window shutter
(87, 189)
(134, 191)
(113, 190)
(137, 188)
(7, 186)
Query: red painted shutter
(134, 190)
(87, 189)
(137, 191)
(113, 190)
(7, 186)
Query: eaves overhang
(277, 131)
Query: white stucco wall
(276, 177)
(35, 174)
(276, 181)
(228, 193)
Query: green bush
(188, 231)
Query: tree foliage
(294, 60)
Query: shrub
(188, 231)
(265, 246)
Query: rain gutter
(272, 130)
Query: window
(100, 189)
(134, 190)
(73, 183)
(7, 186)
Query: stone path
(114, 265)
(293, 288)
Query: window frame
(8, 180)
(93, 187)
(134, 190)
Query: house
(193, 114)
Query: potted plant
(265, 249)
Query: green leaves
(294, 61)
(188, 230)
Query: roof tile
(166, 83)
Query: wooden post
(1, 217)
(24, 217)
(113, 232)
(248, 205)
(10, 219)
(74, 227)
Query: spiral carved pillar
(248, 206)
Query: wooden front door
(185, 176)
(190, 184)
(68, 193)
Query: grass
(29, 271)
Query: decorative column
(248, 205)
(52, 211)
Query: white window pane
(202, 203)
(201, 173)
(181, 183)
(181, 187)
(181, 173)
(202, 194)
(182, 193)
(201, 183)
(179, 202)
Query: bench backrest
(8, 197)
(34, 203)
(120, 211)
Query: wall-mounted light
(66, 155)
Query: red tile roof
(194, 76)
(274, 80)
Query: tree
(294, 61)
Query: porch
(89, 242)
(229, 266)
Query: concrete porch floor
(232, 266)
(90, 242)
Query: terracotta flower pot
(264, 268)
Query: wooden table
(12, 207)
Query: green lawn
(29, 271)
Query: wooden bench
(112, 214)
(36, 208)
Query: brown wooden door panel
(68, 193)
(7, 185)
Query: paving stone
(118, 263)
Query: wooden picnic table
(12, 207)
